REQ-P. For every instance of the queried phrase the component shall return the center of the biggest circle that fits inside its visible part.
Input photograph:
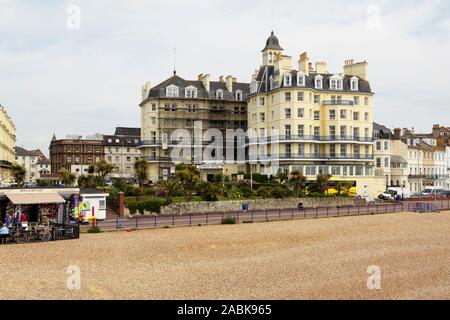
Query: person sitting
(300, 206)
(4, 233)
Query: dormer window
(354, 84)
(172, 91)
(301, 79)
(219, 94)
(318, 82)
(190, 92)
(287, 80)
(239, 95)
(336, 82)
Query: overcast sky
(58, 78)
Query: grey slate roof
(160, 89)
(364, 86)
(122, 131)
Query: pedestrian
(300, 206)
(4, 233)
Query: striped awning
(35, 198)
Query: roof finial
(174, 61)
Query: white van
(429, 191)
(391, 192)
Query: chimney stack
(230, 80)
(303, 63)
(397, 134)
(321, 67)
(205, 79)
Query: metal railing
(215, 218)
(320, 156)
(338, 103)
(293, 137)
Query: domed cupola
(272, 43)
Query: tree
(343, 187)
(89, 181)
(67, 177)
(188, 176)
(103, 169)
(170, 188)
(91, 169)
(140, 169)
(322, 182)
(210, 191)
(19, 173)
(298, 183)
(281, 176)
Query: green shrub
(132, 205)
(136, 192)
(149, 191)
(153, 205)
(229, 220)
(94, 230)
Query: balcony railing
(316, 156)
(293, 137)
(338, 103)
(429, 176)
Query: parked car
(430, 192)
(392, 192)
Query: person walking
(4, 233)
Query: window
(336, 82)
(316, 133)
(271, 83)
(343, 150)
(262, 101)
(287, 97)
(153, 106)
(128, 159)
(354, 84)
(366, 101)
(301, 79)
(343, 131)
(272, 115)
(316, 98)
(366, 132)
(301, 149)
(366, 116)
(386, 162)
(332, 114)
(318, 81)
(301, 112)
(172, 91)
(153, 121)
(386, 145)
(191, 92)
(343, 114)
(287, 113)
(301, 130)
(332, 132)
(287, 80)
(300, 96)
(69, 159)
(219, 94)
(356, 116)
(262, 117)
(316, 115)
(310, 170)
(239, 95)
(288, 149)
(356, 101)
(356, 132)
(287, 131)
(117, 159)
(332, 150)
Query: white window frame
(172, 91)
(318, 82)
(336, 82)
(239, 95)
(354, 84)
(219, 94)
(301, 77)
(288, 80)
(190, 92)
